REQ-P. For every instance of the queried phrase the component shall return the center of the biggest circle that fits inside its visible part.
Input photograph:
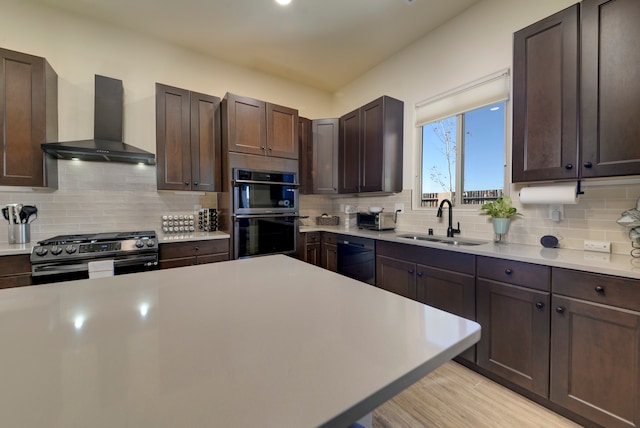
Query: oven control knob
(139, 243)
(70, 249)
(151, 242)
(41, 251)
(55, 250)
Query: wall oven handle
(241, 216)
(235, 182)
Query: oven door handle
(76, 267)
(279, 183)
(241, 216)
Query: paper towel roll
(564, 194)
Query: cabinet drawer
(329, 238)
(312, 237)
(512, 272)
(193, 248)
(609, 290)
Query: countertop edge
(586, 261)
(17, 249)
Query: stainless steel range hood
(107, 144)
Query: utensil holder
(19, 233)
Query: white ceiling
(320, 43)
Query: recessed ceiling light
(283, 2)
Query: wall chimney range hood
(107, 144)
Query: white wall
(472, 45)
(77, 49)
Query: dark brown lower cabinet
(329, 249)
(15, 271)
(595, 347)
(397, 276)
(178, 254)
(514, 313)
(309, 247)
(515, 334)
(439, 278)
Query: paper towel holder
(556, 211)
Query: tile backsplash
(593, 218)
(106, 197)
(101, 197)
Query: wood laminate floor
(454, 396)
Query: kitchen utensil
(5, 213)
(12, 213)
(30, 213)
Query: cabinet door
(371, 146)
(610, 129)
(396, 276)
(325, 155)
(282, 131)
(312, 253)
(329, 249)
(305, 147)
(449, 291)
(173, 150)
(595, 361)
(205, 143)
(515, 334)
(349, 153)
(245, 125)
(545, 99)
(28, 118)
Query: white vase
(500, 228)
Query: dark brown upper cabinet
(610, 98)
(305, 151)
(28, 118)
(325, 155)
(545, 99)
(370, 148)
(187, 140)
(259, 128)
(578, 70)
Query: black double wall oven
(265, 212)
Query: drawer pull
(410, 271)
(539, 305)
(560, 309)
(599, 289)
(419, 274)
(196, 248)
(507, 271)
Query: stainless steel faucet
(450, 229)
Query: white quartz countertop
(262, 342)
(605, 263)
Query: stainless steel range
(67, 257)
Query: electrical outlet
(400, 207)
(598, 246)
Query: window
(474, 140)
(462, 155)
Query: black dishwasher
(357, 258)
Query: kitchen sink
(443, 240)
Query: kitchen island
(269, 341)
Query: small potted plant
(501, 210)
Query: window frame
(501, 84)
